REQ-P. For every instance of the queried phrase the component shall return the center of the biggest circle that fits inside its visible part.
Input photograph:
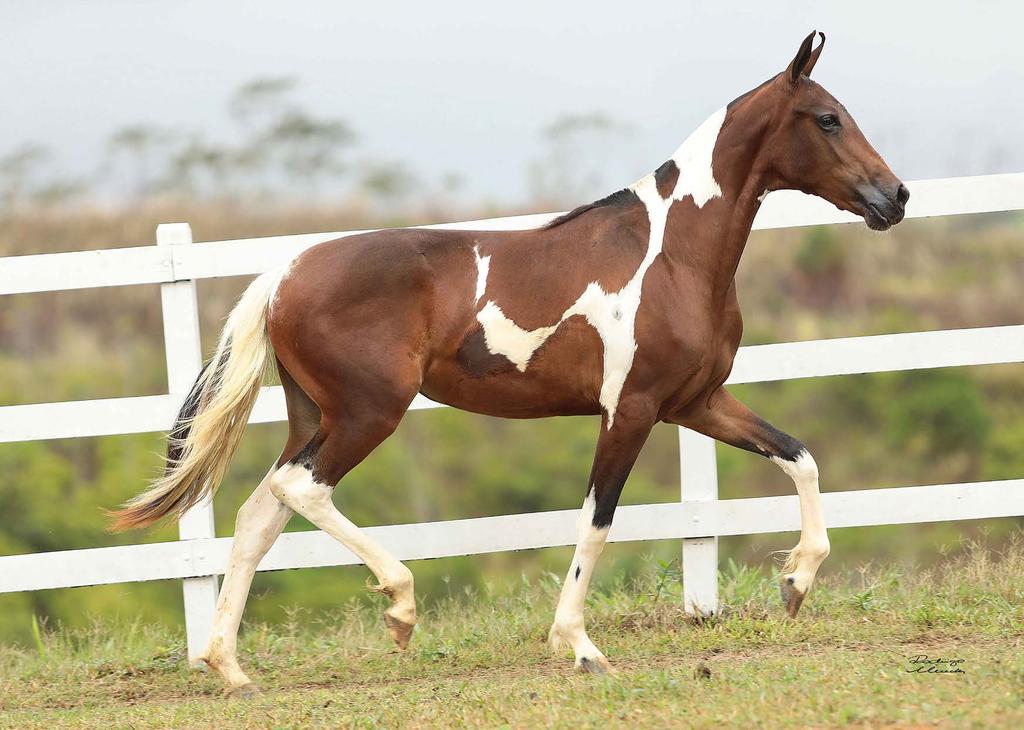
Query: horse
(624, 308)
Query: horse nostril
(902, 194)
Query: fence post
(698, 475)
(184, 359)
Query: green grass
(481, 660)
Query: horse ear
(814, 56)
(803, 55)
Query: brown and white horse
(625, 308)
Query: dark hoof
(792, 598)
(401, 631)
(598, 665)
(244, 692)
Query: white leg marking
(294, 485)
(613, 314)
(568, 628)
(260, 520)
(813, 548)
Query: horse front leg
(724, 418)
(617, 449)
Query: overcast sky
(467, 87)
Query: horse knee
(401, 581)
(801, 468)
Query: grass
(481, 660)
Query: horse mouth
(876, 219)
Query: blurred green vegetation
(891, 429)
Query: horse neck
(710, 238)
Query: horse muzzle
(883, 209)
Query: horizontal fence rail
(754, 364)
(448, 538)
(698, 519)
(160, 264)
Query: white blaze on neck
(694, 160)
(613, 314)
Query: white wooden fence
(698, 519)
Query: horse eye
(828, 121)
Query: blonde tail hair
(213, 417)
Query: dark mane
(618, 199)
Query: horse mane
(619, 199)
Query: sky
(467, 87)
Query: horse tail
(213, 416)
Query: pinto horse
(625, 308)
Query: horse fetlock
(819, 550)
(226, 665)
(566, 632)
(805, 559)
(215, 656)
(398, 587)
(557, 640)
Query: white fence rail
(698, 519)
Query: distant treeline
(279, 152)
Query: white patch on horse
(483, 265)
(613, 314)
(505, 337)
(693, 158)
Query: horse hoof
(597, 665)
(242, 692)
(792, 597)
(401, 631)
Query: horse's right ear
(803, 55)
(809, 66)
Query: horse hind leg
(305, 484)
(259, 523)
(260, 520)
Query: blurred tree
(255, 106)
(19, 171)
(201, 168)
(389, 181)
(575, 154)
(283, 140)
(258, 102)
(136, 147)
(308, 149)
